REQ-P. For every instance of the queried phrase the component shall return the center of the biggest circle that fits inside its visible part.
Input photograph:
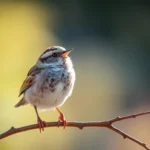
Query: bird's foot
(41, 124)
(62, 119)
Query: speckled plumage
(52, 81)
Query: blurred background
(111, 57)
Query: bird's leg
(62, 118)
(40, 122)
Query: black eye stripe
(54, 55)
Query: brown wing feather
(26, 84)
(29, 81)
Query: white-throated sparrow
(49, 82)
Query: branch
(107, 124)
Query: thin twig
(107, 124)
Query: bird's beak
(66, 53)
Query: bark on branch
(107, 124)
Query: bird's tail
(20, 103)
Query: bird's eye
(54, 55)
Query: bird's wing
(30, 79)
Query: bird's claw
(41, 124)
(62, 119)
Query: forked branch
(107, 124)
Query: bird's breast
(51, 88)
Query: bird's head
(55, 55)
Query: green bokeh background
(111, 57)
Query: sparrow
(49, 83)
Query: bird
(49, 83)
